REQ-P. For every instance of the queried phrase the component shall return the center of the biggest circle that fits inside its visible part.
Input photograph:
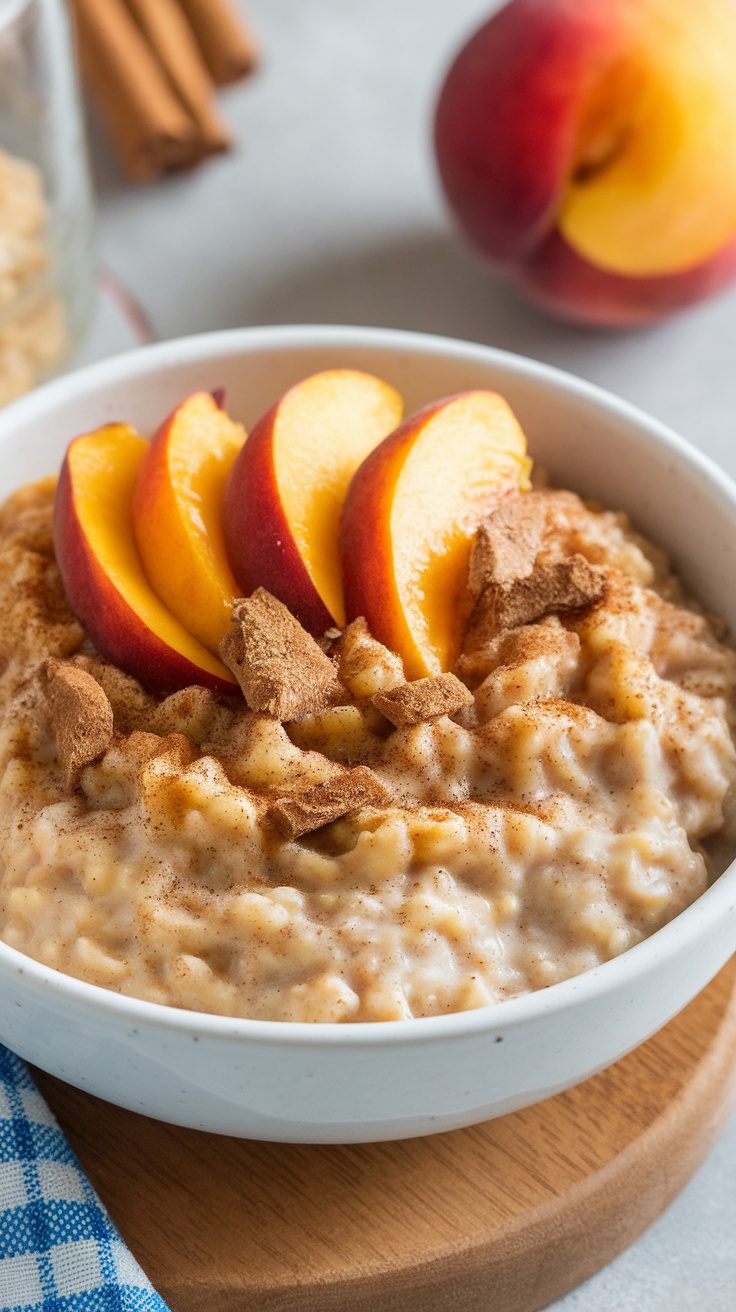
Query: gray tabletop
(329, 211)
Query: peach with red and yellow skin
(409, 518)
(177, 515)
(590, 150)
(103, 574)
(281, 511)
(558, 280)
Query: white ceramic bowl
(352, 1083)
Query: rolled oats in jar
(46, 271)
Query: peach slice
(410, 515)
(177, 513)
(286, 489)
(103, 573)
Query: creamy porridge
(564, 796)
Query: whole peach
(589, 149)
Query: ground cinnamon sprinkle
(364, 664)
(512, 647)
(141, 748)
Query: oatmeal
(32, 329)
(392, 850)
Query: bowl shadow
(426, 281)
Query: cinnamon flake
(310, 809)
(422, 700)
(551, 588)
(507, 542)
(81, 716)
(279, 666)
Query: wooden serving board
(504, 1217)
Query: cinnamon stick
(226, 44)
(171, 38)
(151, 129)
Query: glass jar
(46, 228)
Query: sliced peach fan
(410, 515)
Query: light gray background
(329, 211)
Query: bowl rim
(685, 929)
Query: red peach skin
(560, 281)
(103, 575)
(410, 515)
(284, 495)
(589, 149)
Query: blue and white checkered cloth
(59, 1250)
